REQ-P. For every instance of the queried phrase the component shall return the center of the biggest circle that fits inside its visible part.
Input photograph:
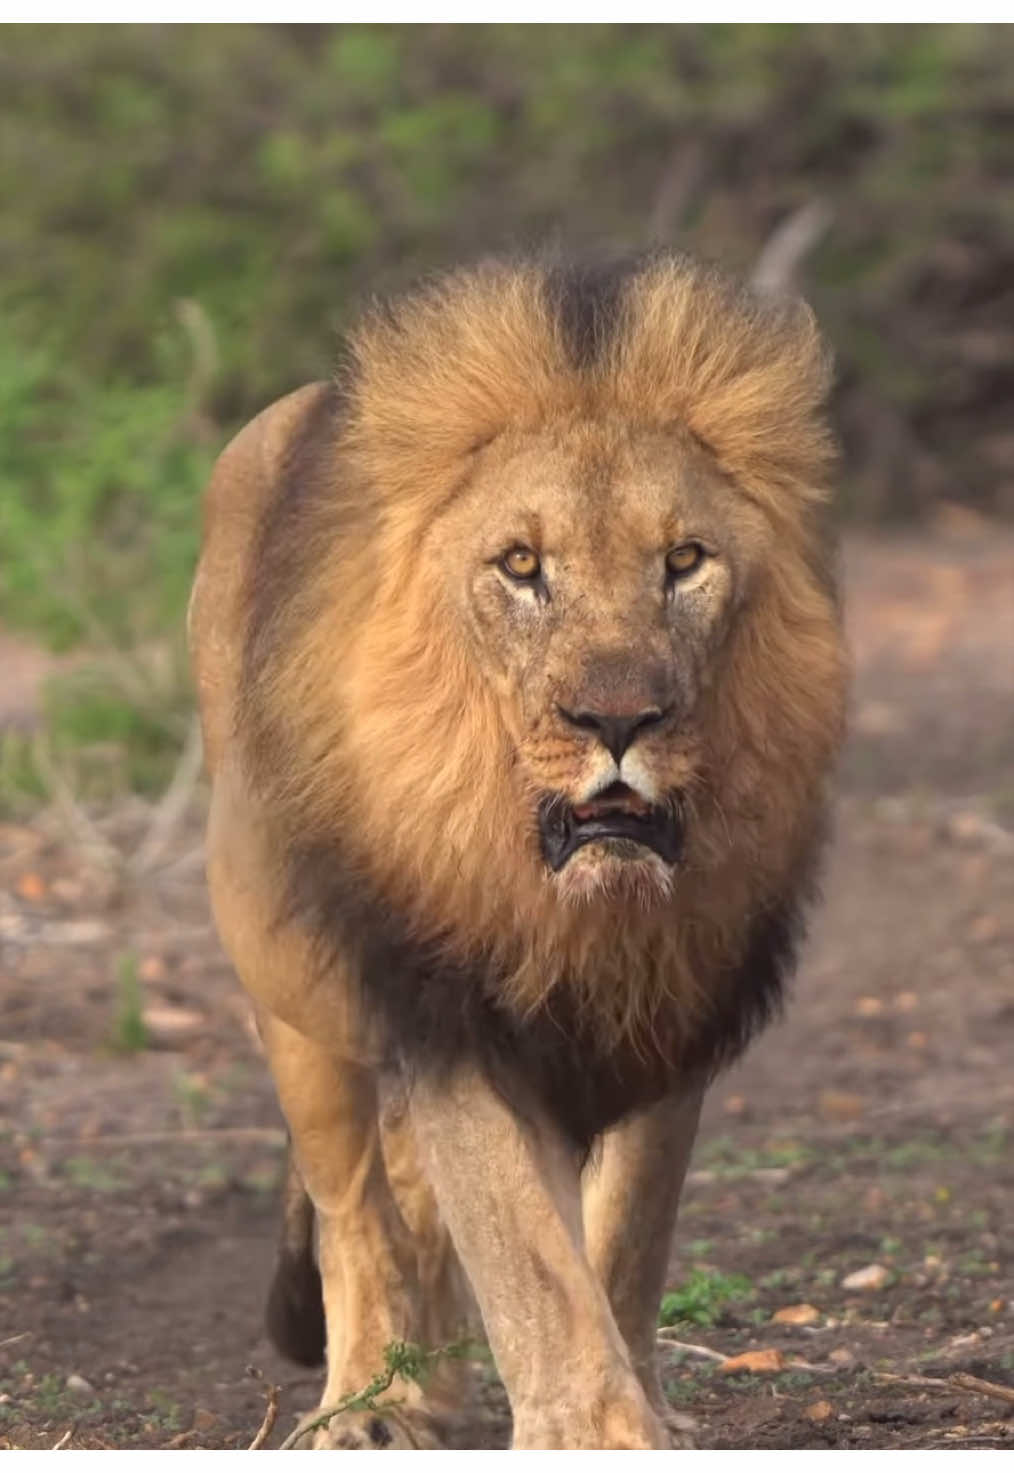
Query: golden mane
(375, 740)
(443, 370)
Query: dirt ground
(871, 1130)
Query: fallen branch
(63, 1440)
(960, 1381)
(13, 1339)
(984, 1388)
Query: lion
(522, 677)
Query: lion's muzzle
(617, 813)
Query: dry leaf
(31, 886)
(819, 1411)
(756, 1361)
(869, 1007)
(796, 1314)
(839, 1105)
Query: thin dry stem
(82, 832)
(270, 1417)
(701, 1351)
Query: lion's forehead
(593, 492)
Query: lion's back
(239, 495)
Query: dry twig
(984, 1388)
(77, 823)
(270, 1414)
(63, 1440)
(960, 1381)
(701, 1351)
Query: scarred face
(599, 570)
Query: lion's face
(598, 570)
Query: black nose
(616, 733)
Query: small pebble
(868, 1279)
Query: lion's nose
(615, 732)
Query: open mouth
(616, 813)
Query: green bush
(194, 211)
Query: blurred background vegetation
(191, 213)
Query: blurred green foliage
(192, 212)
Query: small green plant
(21, 787)
(401, 1359)
(85, 1172)
(130, 1034)
(166, 1411)
(703, 1296)
(700, 1247)
(194, 1098)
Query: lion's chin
(615, 872)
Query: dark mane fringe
(432, 1014)
(425, 378)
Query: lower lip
(563, 840)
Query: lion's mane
(379, 749)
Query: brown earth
(873, 1127)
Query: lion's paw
(391, 1429)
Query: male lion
(521, 677)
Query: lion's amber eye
(521, 563)
(684, 559)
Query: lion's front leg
(367, 1256)
(509, 1189)
(631, 1196)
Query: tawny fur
(372, 711)
(382, 728)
